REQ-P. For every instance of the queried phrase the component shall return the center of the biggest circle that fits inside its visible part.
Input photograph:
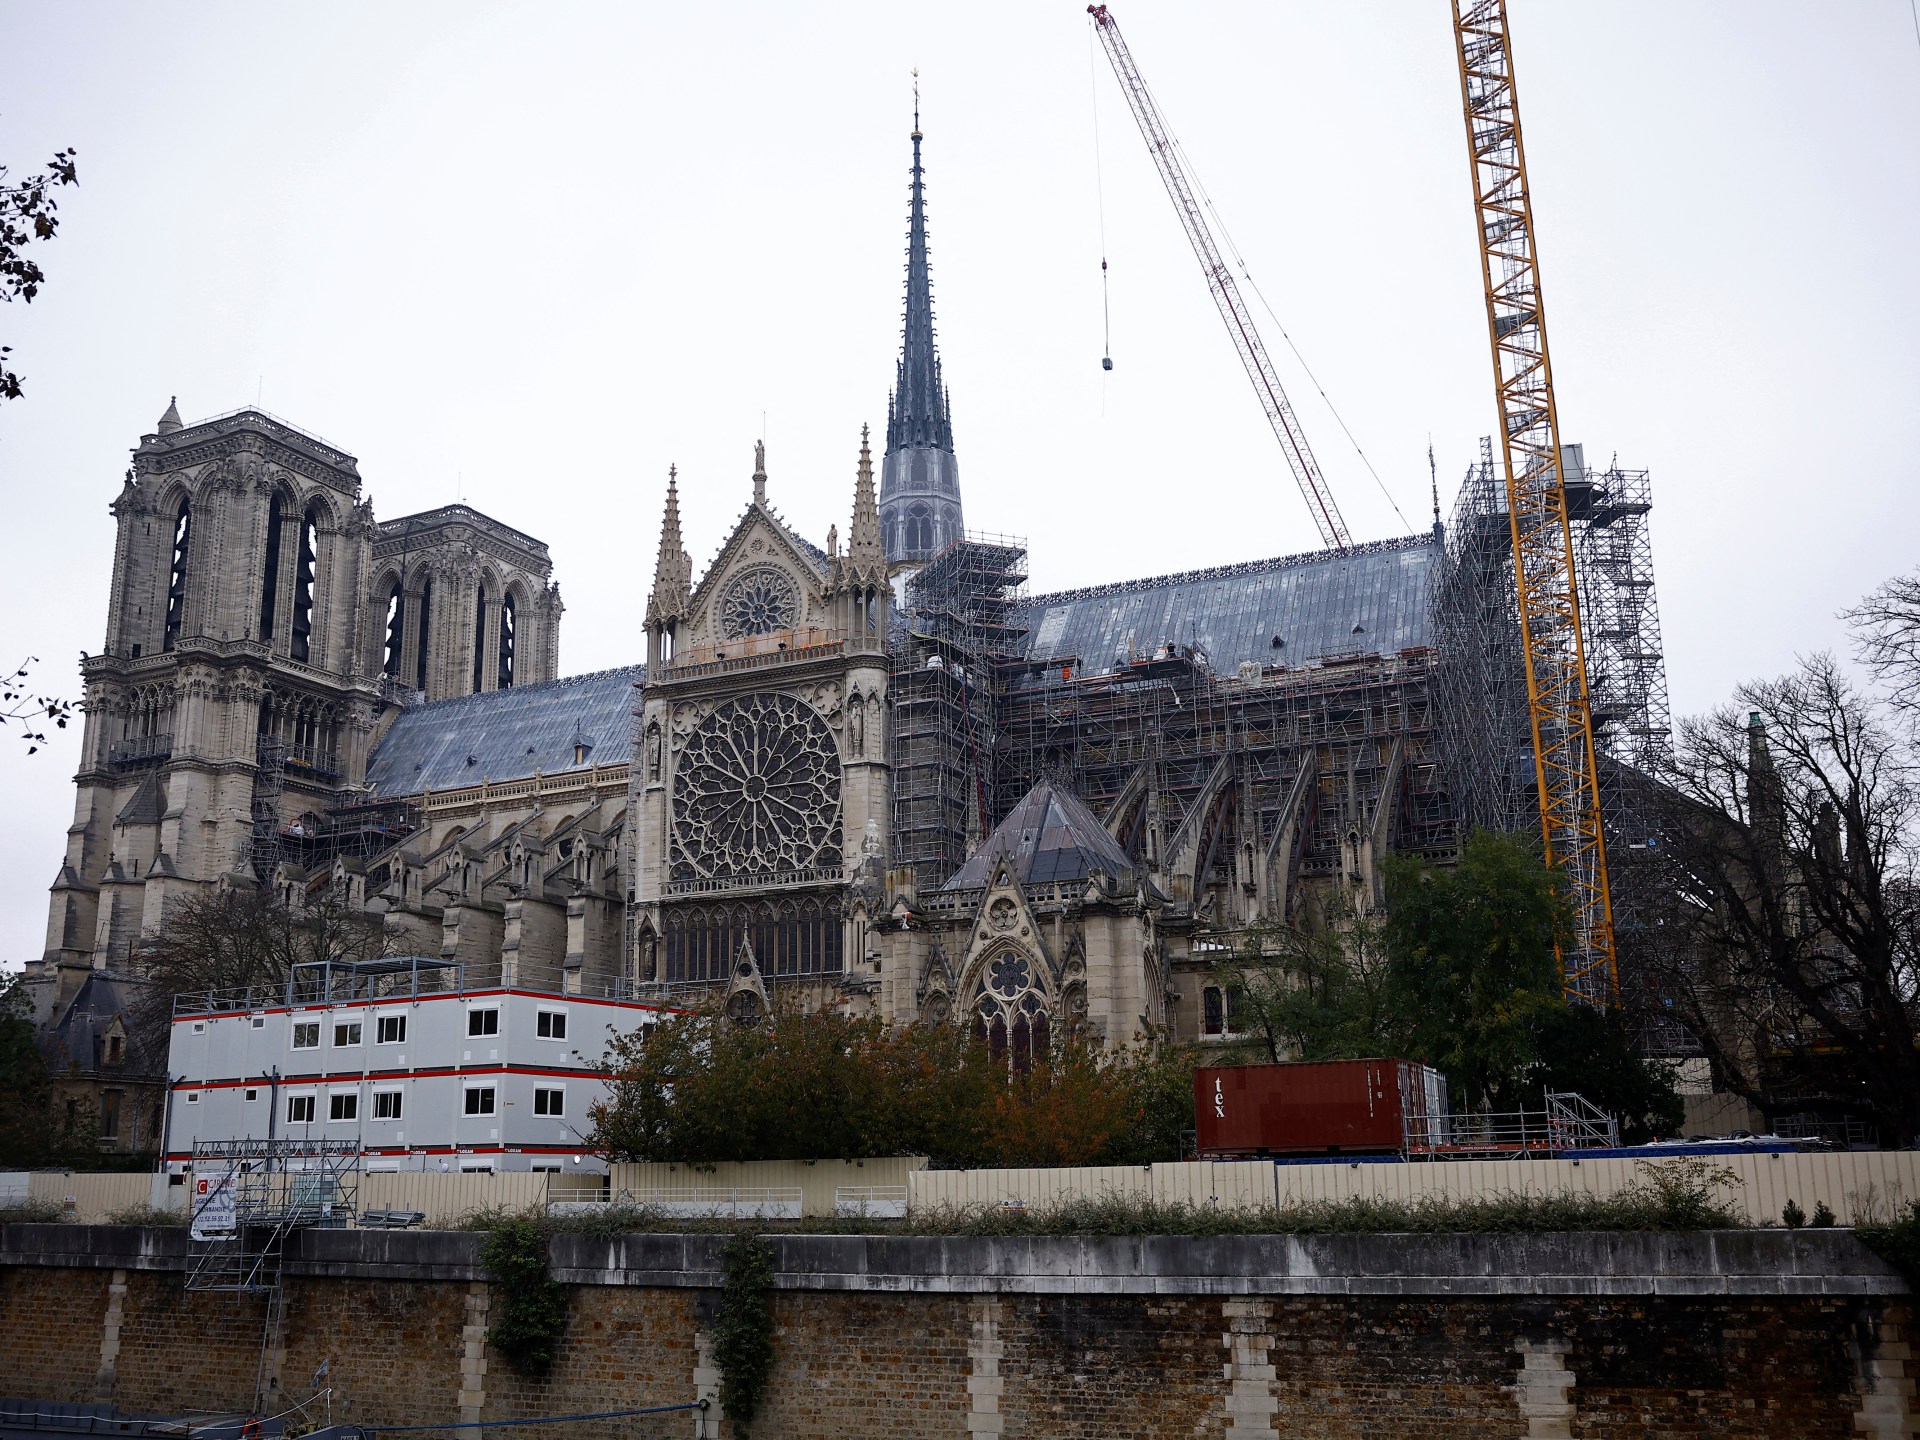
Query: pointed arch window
(270, 574)
(396, 631)
(479, 637)
(177, 576)
(303, 584)
(919, 529)
(508, 639)
(421, 635)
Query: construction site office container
(1333, 1107)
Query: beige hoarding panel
(818, 1181)
(446, 1198)
(91, 1199)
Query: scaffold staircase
(249, 1196)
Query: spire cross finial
(916, 99)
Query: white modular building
(402, 1058)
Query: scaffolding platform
(248, 1196)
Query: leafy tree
(1471, 962)
(38, 1128)
(1314, 994)
(700, 1088)
(28, 212)
(1579, 1048)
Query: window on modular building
(390, 1030)
(551, 1025)
(346, 1032)
(252, 1094)
(270, 574)
(110, 1115)
(193, 1097)
(300, 1109)
(483, 1022)
(306, 1034)
(503, 675)
(480, 1100)
(549, 1101)
(303, 583)
(343, 1105)
(177, 578)
(386, 1105)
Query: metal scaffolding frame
(250, 1195)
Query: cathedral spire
(673, 571)
(919, 505)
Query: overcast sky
(533, 254)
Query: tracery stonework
(757, 793)
(759, 601)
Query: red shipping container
(1329, 1107)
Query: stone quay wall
(1738, 1333)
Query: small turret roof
(1050, 837)
(170, 421)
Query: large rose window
(757, 793)
(759, 601)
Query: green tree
(28, 212)
(1318, 993)
(1579, 1048)
(1472, 968)
(38, 1127)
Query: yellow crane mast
(1564, 760)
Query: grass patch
(148, 1215)
(32, 1212)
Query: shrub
(1792, 1216)
(743, 1330)
(531, 1305)
(1897, 1241)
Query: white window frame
(334, 1097)
(302, 1027)
(543, 1090)
(192, 1097)
(358, 1027)
(474, 1012)
(380, 1023)
(199, 1027)
(310, 1099)
(259, 1022)
(399, 1098)
(543, 1019)
(476, 1167)
(252, 1093)
(468, 1091)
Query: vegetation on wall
(743, 1328)
(529, 1305)
(700, 1089)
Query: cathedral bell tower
(919, 477)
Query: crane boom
(1564, 762)
(1226, 294)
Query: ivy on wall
(530, 1304)
(743, 1329)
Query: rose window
(1009, 975)
(757, 792)
(758, 601)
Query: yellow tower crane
(1563, 751)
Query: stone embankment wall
(1729, 1334)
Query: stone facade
(1441, 1338)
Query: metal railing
(1566, 1122)
(140, 750)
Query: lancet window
(177, 576)
(508, 640)
(791, 935)
(1010, 1015)
(479, 637)
(270, 571)
(303, 584)
(396, 631)
(422, 635)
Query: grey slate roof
(1311, 602)
(1050, 837)
(508, 734)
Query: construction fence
(1856, 1185)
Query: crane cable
(1220, 227)
(1100, 193)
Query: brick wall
(948, 1340)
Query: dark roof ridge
(1227, 572)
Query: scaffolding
(951, 668)
(249, 1196)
